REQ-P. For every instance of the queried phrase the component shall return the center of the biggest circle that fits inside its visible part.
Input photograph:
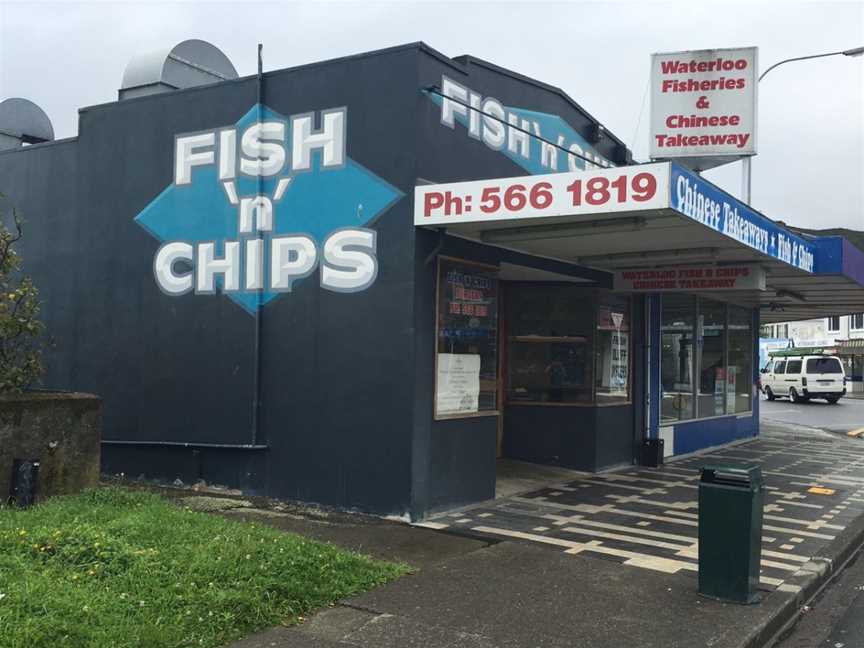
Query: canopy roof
(655, 216)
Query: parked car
(804, 377)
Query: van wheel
(769, 394)
(832, 399)
(794, 397)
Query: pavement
(601, 586)
(648, 518)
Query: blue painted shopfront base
(690, 436)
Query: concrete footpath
(479, 592)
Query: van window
(793, 367)
(769, 366)
(780, 367)
(824, 366)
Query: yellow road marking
(855, 433)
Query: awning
(651, 224)
(850, 347)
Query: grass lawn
(114, 567)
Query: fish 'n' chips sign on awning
(645, 188)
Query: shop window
(706, 362)
(550, 342)
(678, 336)
(739, 373)
(466, 381)
(834, 324)
(612, 350)
(857, 321)
(711, 359)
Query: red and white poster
(703, 104)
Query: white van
(804, 377)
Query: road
(836, 618)
(846, 415)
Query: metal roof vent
(23, 122)
(188, 64)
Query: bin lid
(741, 475)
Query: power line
(641, 112)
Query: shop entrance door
(565, 353)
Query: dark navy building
(240, 268)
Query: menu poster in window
(620, 361)
(720, 376)
(731, 389)
(468, 324)
(469, 298)
(458, 383)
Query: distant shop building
(361, 281)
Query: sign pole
(745, 179)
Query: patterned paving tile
(648, 518)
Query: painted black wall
(454, 460)
(346, 379)
(336, 400)
(40, 181)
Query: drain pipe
(256, 350)
(256, 340)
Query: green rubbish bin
(730, 531)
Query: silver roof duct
(23, 122)
(188, 64)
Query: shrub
(20, 327)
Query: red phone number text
(595, 191)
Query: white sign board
(556, 194)
(703, 104)
(458, 386)
(708, 278)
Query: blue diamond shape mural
(314, 202)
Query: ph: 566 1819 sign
(558, 194)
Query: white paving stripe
(640, 489)
(624, 538)
(693, 552)
(640, 531)
(665, 565)
(666, 483)
(788, 502)
(807, 523)
(798, 532)
(785, 556)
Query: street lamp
(745, 179)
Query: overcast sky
(810, 167)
